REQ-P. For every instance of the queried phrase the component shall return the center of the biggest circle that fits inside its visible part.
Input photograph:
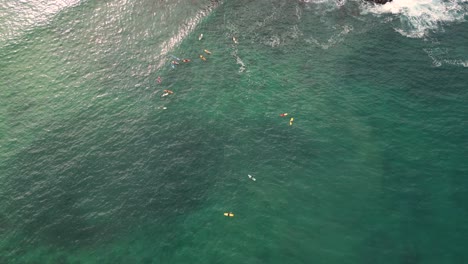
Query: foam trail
(420, 17)
(241, 63)
(238, 59)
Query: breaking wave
(184, 30)
(418, 18)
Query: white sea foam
(333, 40)
(441, 56)
(420, 17)
(238, 60)
(463, 63)
(241, 63)
(337, 3)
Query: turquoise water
(95, 170)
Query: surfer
(203, 58)
(200, 37)
(235, 40)
(186, 60)
(291, 121)
(159, 79)
(229, 214)
(207, 52)
(283, 114)
(166, 93)
(251, 177)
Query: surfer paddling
(251, 177)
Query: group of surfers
(176, 61)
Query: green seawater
(97, 167)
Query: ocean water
(97, 167)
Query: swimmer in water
(175, 62)
(159, 79)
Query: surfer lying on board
(166, 93)
(230, 214)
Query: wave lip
(420, 17)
